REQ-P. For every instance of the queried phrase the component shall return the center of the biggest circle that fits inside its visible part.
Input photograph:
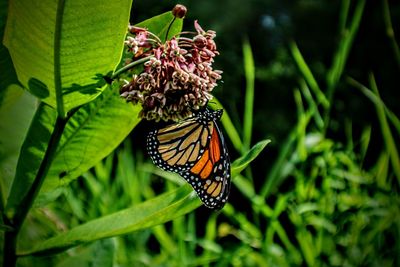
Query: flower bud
(200, 41)
(179, 11)
(149, 103)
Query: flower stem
(129, 66)
(10, 237)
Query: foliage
(330, 198)
(80, 120)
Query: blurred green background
(318, 78)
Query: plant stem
(57, 58)
(10, 238)
(10, 246)
(129, 66)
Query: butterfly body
(195, 148)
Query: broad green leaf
(62, 49)
(31, 155)
(158, 210)
(90, 135)
(159, 25)
(16, 113)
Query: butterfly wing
(195, 148)
(177, 147)
(210, 176)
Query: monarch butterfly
(195, 149)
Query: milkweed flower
(177, 76)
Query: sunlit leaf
(65, 46)
(159, 25)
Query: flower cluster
(177, 77)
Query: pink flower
(178, 77)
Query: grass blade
(344, 11)
(340, 57)
(386, 132)
(249, 71)
(307, 74)
(229, 127)
(312, 103)
(377, 102)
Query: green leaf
(242, 162)
(249, 70)
(345, 44)
(388, 138)
(95, 130)
(159, 25)
(16, 113)
(61, 49)
(31, 155)
(308, 75)
(377, 102)
(91, 134)
(158, 210)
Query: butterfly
(195, 148)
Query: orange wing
(203, 167)
(210, 176)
